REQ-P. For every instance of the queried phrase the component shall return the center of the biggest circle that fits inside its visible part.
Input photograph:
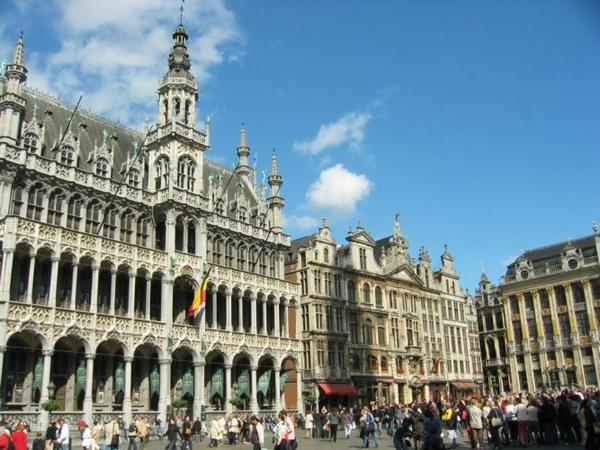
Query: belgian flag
(199, 301)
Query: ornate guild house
(105, 235)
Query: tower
(243, 151)
(178, 91)
(276, 202)
(12, 103)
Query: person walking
(132, 435)
(333, 420)
(19, 438)
(197, 426)
(142, 432)
(172, 434)
(476, 423)
(51, 435)
(257, 435)
(62, 441)
(111, 435)
(449, 419)
(347, 423)
(309, 423)
(86, 437)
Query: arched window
(102, 167)
(217, 250)
(273, 265)
(252, 256)
(30, 143)
(166, 106)
(368, 332)
(378, 296)
(161, 173)
(186, 170)
(17, 200)
(67, 155)
(92, 217)
(241, 256)
(179, 234)
(191, 238)
(133, 179)
(35, 202)
(177, 107)
(55, 207)
(188, 108)
(74, 212)
(326, 255)
(355, 362)
(351, 291)
(372, 362)
(127, 222)
(263, 263)
(229, 252)
(109, 228)
(142, 233)
(384, 363)
(366, 293)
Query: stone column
(89, 377)
(286, 324)
(228, 310)
(198, 387)
(241, 313)
(166, 301)
(113, 291)
(277, 372)
(299, 399)
(47, 355)
(131, 295)
(299, 321)
(53, 281)
(227, 405)
(511, 358)
(253, 327)
(526, 343)
(264, 328)
(589, 305)
(148, 298)
(215, 324)
(165, 387)
(7, 266)
(74, 286)
(276, 315)
(253, 392)
(127, 398)
(94, 299)
(29, 298)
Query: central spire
(179, 59)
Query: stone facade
(105, 235)
(378, 326)
(539, 326)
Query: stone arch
(68, 371)
(184, 287)
(108, 384)
(217, 362)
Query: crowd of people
(569, 417)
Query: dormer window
(30, 143)
(102, 168)
(220, 208)
(363, 258)
(67, 155)
(243, 215)
(133, 179)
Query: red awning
(339, 389)
(463, 384)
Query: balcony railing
(580, 306)
(549, 269)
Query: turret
(243, 151)
(12, 103)
(276, 202)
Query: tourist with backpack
(132, 434)
(188, 432)
(449, 419)
(368, 428)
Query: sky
(476, 121)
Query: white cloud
(350, 129)
(300, 223)
(115, 51)
(338, 189)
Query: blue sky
(477, 121)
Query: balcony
(580, 306)
(530, 314)
(566, 341)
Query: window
(17, 200)
(583, 326)
(384, 364)
(302, 259)
(142, 231)
(565, 327)
(307, 355)
(331, 354)
(317, 281)
(355, 362)
(92, 217)
(319, 316)
(378, 297)
(353, 328)
(241, 257)
(381, 331)
(303, 282)
(351, 291)
(339, 319)
(327, 283)
(326, 255)
(102, 167)
(368, 332)
(67, 155)
(35, 202)
(263, 263)
(305, 318)
(55, 208)
(220, 208)
(366, 293)
(134, 178)
(341, 356)
(363, 258)
(372, 361)
(126, 226)
(229, 252)
(186, 169)
(320, 354)
(30, 143)
(337, 285)
(161, 173)
(110, 224)
(329, 317)
(74, 212)
(243, 215)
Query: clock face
(524, 274)
(572, 263)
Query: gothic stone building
(378, 326)
(105, 234)
(539, 326)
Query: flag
(199, 301)
(436, 363)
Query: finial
(397, 225)
(359, 226)
(181, 12)
(35, 107)
(104, 136)
(595, 227)
(325, 222)
(274, 168)
(243, 142)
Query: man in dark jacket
(172, 434)
(197, 426)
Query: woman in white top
(86, 438)
(309, 424)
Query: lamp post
(51, 390)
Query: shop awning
(339, 389)
(463, 384)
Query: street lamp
(51, 390)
